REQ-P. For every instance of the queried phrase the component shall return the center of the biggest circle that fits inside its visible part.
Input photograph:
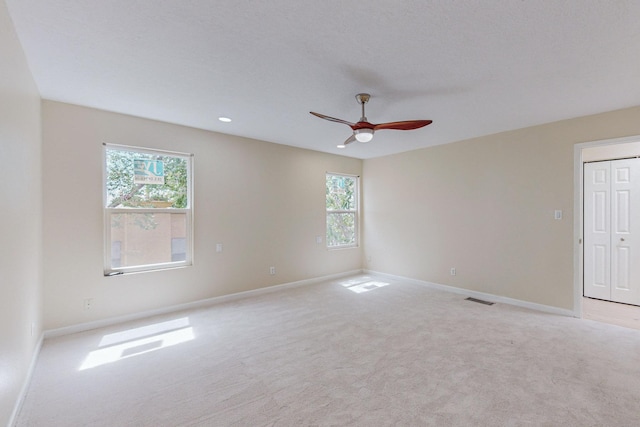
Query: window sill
(115, 273)
(339, 248)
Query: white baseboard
(25, 385)
(481, 295)
(81, 327)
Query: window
(147, 209)
(342, 211)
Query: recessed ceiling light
(224, 119)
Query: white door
(625, 212)
(612, 198)
(597, 230)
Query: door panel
(597, 233)
(600, 260)
(621, 280)
(625, 277)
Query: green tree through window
(342, 210)
(122, 191)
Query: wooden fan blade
(406, 125)
(349, 140)
(332, 119)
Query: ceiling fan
(363, 130)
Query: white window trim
(355, 211)
(109, 270)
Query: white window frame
(355, 211)
(110, 270)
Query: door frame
(578, 212)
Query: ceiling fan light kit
(363, 130)
(364, 134)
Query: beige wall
(20, 218)
(609, 152)
(264, 202)
(485, 206)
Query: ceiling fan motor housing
(363, 98)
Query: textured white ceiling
(473, 67)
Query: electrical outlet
(319, 240)
(218, 247)
(453, 271)
(88, 302)
(272, 270)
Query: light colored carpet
(326, 355)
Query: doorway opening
(592, 257)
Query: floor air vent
(479, 300)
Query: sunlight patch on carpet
(362, 284)
(137, 341)
(355, 281)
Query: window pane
(148, 238)
(115, 253)
(142, 180)
(341, 229)
(178, 249)
(341, 192)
